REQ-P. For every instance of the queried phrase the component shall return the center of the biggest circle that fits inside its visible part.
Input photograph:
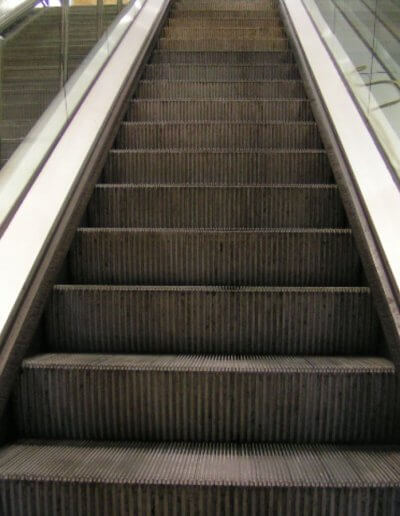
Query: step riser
(224, 32)
(223, 58)
(217, 321)
(218, 73)
(210, 21)
(223, 44)
(187, 258)
(38, 498)
(240, 111)
(239, 7)
(221, 136)
(203, 207)
(194, 406)
(184, 14)
(209, 90)
(217, 167)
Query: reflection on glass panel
(364, 39)
(38, 54)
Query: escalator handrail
(10, 15)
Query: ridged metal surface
(225, 5)
(202, 13)
(281, 71)
(216, 320)
(223, 44)
(258, 206)
(225, 135)
(270, 31)
(210, 257)
(183, 398)
(217, 167)
(224, 90)
(224, 58)
(211, 21)
(162, 479)
(207, 110)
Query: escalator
(211, 346)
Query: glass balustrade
(38, 55)
(49, 59)
(363, 37)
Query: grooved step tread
(218, 134)
(221, 57)
(264, 364)
(234, 167)
(261, 206)
(178, 397)
(207, 319)
(207, 90)
(169, 464)
(279, 71)
(214, 257)
(249, 44)
(179, 32)
(175, 110)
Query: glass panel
(48, 62)
(39, 54)
(363, 37)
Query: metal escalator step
(257, 206)
(203, 5)
(222, 14)
(209, 72)
(184, 398)
(273, 31)
(217, 167)
(212, 22)
(172, 479)
(216, 320)
(223, 44)
(222, 57)
(214, 257)
(223, 90)
(164, 110)
(225, 135)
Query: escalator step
(164, 110)
(223, 44)
(173, 478)
(190, 72)
(207, 22)
(215, 135)
(217, 320)
(211, 257)
(217, 167)
(270, 32)
(258, 206)
(183, 398)
(222, 57)
(224, 90)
